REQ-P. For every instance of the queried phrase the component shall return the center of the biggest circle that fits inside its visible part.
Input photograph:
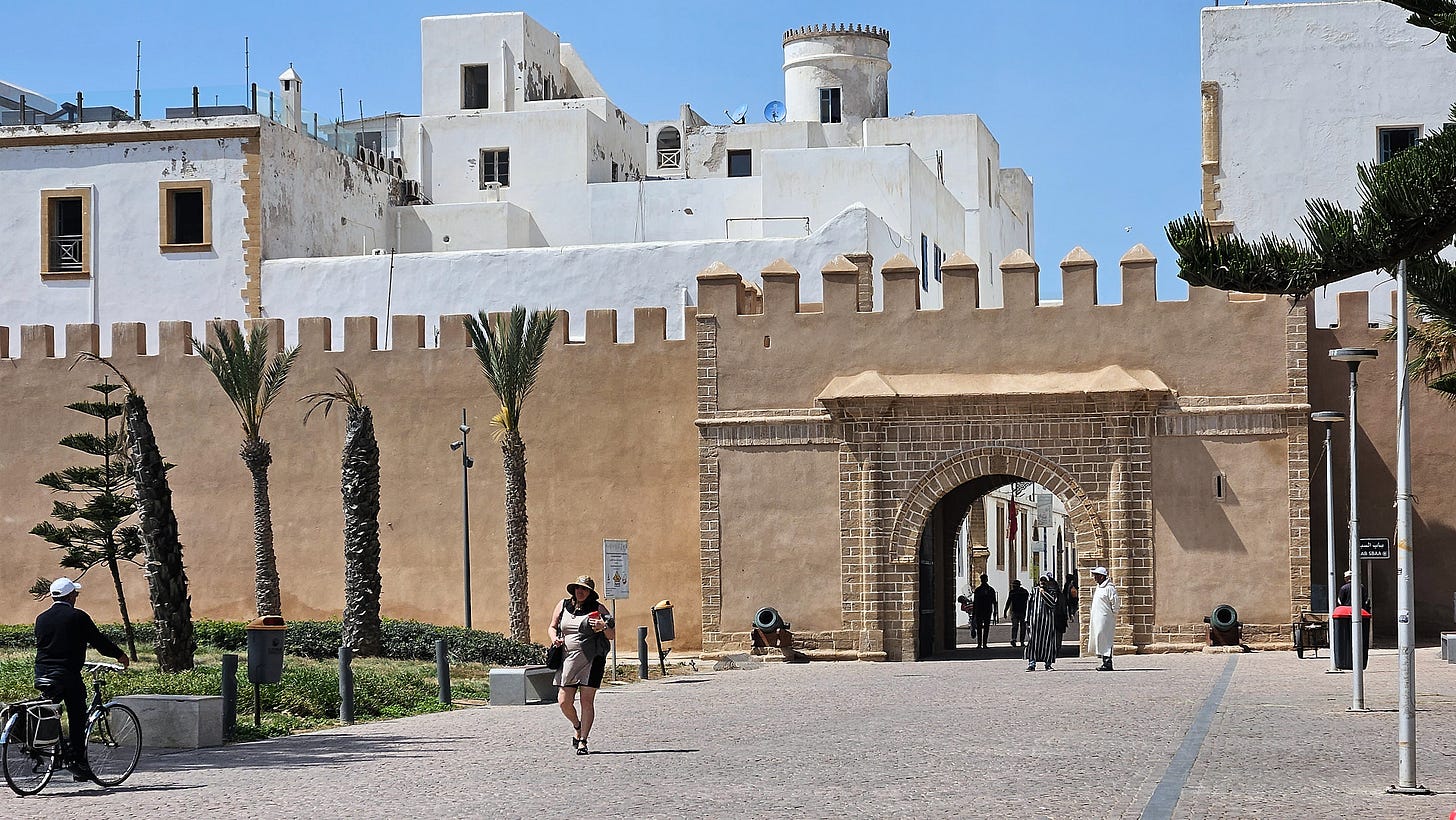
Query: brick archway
(972, 464)
(914, 511)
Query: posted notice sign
(1371, 548)
(1044, 509)
(614, 569)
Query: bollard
(229, 694)
(346, 685)
(442, 670)
(642, 671)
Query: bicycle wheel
(27, 770)
(113, 743)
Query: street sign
(1371, 548)
(1043, 509)
(1038, 546)
(614, 570)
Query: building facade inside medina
(520, 178)
(799, 365)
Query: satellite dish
(774, 111)
(739, 115)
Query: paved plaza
(951, 738)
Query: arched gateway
(830, 432)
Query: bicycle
(32, 743)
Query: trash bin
(662, 620)
(265, 649)
(1340, 645)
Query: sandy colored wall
(1171, 339)
(1433, 470)
(781, 549)
(590, 475)
(1207, 552)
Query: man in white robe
(1102, 619)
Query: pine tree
(91, 532)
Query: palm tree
(252, 378)
(157, 523)
(360, 487)
(510, 348)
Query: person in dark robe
(1042, 638)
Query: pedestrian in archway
(1016, 602)
(1102, 619)
(983, 605)
(1042, 638)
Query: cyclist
(62, 634)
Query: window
(669, 149)
(474, 88)
(373, 140)
(1395, 140)
(495, 166)
(185, 215)
(939, 258)
(924, 262)
(829, 105)
(740, 163)
(65, 233)
(1001, 536)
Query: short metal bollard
(642, 670)
(229, 694)
(442, 670)
(346, 685)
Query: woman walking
(1042, 638)
(586, 629)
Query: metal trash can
(662, 621)
(265, 649)
(1340, 645)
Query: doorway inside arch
(1009, 530)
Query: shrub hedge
(403, 640)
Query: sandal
(581, 750)
(576, 741)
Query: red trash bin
(1341, 637)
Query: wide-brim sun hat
(581, 581)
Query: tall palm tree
(359, 484)
(510, 348)
(157, 523)
(252, 378)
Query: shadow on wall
(1199, 523)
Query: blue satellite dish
(774, 111)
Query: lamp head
(456, 445)
(469, 462)
(464, 429)
(1327, 417)
(1354, 355)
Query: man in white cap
(1102, 619)
(1343, 597)
(62, 634)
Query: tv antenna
(739, 116)
(774, 111)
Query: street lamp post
(1405, 558)
(466, 462)
(1329, 419)
(1353, 356)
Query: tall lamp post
(1329, 419)
(466, 462)
(1353, 356)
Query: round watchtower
(837, 73)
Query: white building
(1016, 532)
(1296, 95)
(519, 181)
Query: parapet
(723, 292)
(835, 29)
(362, 334)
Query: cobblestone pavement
(952, 738)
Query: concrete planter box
(177, 721)
(519, 686)
(1448, 647)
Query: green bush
(403, 640)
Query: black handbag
(556, 656)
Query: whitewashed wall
(132, 280)
(318, 202)
(1304, 87)
(650, 274)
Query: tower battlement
(836, 29)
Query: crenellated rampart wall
(610, 445)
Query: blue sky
(1097, 99)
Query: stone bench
(1448, 647)
(177, 721)
(522, 685)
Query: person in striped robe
(1042, 639)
